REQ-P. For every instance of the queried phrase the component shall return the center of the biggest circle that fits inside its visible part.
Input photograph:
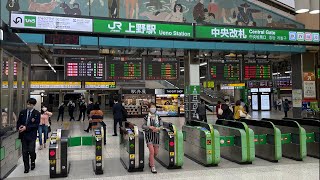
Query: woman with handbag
(44, 126)
(239, 111)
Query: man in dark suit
(117, 116)
(27, 125)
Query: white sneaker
(153, 170)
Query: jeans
(43, 129)
(28, 152)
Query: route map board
(124, 68)
(162, 68)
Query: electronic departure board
(85, 69)
(5, 67)
(162, 68)
(257, 69)
(223, 70)
(62, 39)
(124, 68)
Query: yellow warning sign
(131, 156)
(209, 152)
(52, 162)
(171, 153)
(98, 158)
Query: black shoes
(115, 135)
(33, 165)
(26, 171)
(86, 131)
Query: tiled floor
(81, 161)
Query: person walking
(239, 111)
(71, 107)
(27, 125)
(44, 126)
(279, 104)
(90, 107)
(286, 107)
(61, 111)
(117, 116)
(202, 111)
(96, 116)
(152, 126)
(83, 109)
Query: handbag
(220, 111)
(243, 115)
(124, 113)
(248, 116)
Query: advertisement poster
(255, 104)
(309, 90)
(296, 97)
(265, 102)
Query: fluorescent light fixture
(49, 65)
(302, 6)
(45, 60)
(288, 72)
(202, 77)
(203, 64)
(274, 74)
(314, 7)
(182, 70)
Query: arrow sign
(17, 20)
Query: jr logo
(30, 21)
(116, 27)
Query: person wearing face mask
(27, 125)
(117, 116)
(43, 126)
(152, 126)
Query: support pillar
(61, 97)
(192, 84)
(237, 95)
(296, 76)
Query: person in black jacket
(27, 125)
(227, 113)
(90, 107)
(117, 115)
(61, 111)
(83, 109)
(71, 107)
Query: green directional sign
(152, 29)
(256, 34)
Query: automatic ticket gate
(98, 163)
(293, 138)
(312, 127)
(131, 147)
(58, 154)
(171, 147)
(201, 143)
(236, 141)
(267, 139)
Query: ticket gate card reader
(58, 154)
(98, 164)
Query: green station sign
(256, 34)
(152, 29)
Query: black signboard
(257, 69)
(260, 84)
(138, 91)
(62, 39)
(224, 69)
(85, 69)
(174, 91)
(124, 68)
(162, 68)
(75, 52)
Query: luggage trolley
(131, 147)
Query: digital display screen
(224, 69)
(255, 103)
(124, 68)
(162, 69)
(5, 67)
(61, 39)
(86, 69)
(265, 102)
(257, 69)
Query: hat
(245, 5)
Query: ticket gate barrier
(293, 138)
(201, 143)
(98, 163)
(267, 139)
(131, 147)
(312, 127)
(171, 147)
(58, 154)
(249, 136)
